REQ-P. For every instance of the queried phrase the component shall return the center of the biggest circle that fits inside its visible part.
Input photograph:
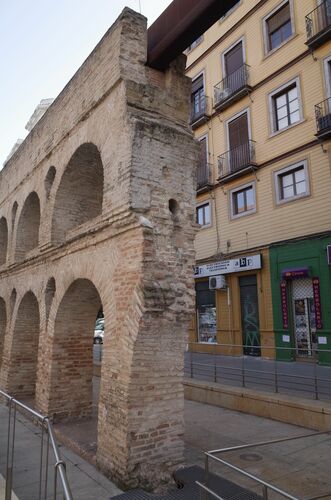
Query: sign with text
(229, 266)
(295, 273)
(283, 295)
(317, 303)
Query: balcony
(236, 162)
(318, 25)
(204, 177)
(232, 88)
(201, 110)
(323, 119)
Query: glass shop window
(206, 312)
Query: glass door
(250, 315)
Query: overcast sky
(42, 44)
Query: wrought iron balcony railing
(232, 86)
(323, 118)
(201, 109)
(237, 159)
(204, 175)
(318, 24)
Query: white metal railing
(266, 486)
(47, 441)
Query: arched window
(80, 193)
(3, 240)
(28, 227)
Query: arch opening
(13, 214)
(28, 227)
(24, 354)
(49, 295)
(72, 363)
(3, 324)
(3, 240)
(80, 194)
(49, 179)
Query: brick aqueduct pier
(97, 211)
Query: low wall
(292, 410)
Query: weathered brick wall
(112, 163)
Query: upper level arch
(3, 240)
(3, 324)
(80, 193)
(27, 235)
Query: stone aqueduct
(96, 210)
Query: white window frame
(232, 192)
(265, 27)
(272, 115)
(327, 75)
(223, 54)
(246, 110)
(198, 205)
(282, 171)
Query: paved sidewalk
(298, 378)
(85, 481)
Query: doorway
(304, 320)
(250, 315)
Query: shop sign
(295, 273)
(329, 254)
(317, 303)
(283, 295)
(229, 266)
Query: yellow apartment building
(261, 109)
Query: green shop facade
(301, 296)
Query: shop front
(301, 288)
(230, 307)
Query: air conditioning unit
(221, 95)
(217, 282)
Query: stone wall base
(292, 410)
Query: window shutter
(238, 131)
(279, 18)
(203, 151)
(197, 84)
(234, 59)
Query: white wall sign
(229, 266)
(286, 338)
(322, 340)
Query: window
(292, 182)
(278, 27)
(243, 200)
(285, 105)
(198, 100)
(206, 312)
(203, 214)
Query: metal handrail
(265, 485)
(206, 365)
(203, 108)
(204, 175)
(231, 84)
(318, 19)
(323, 115)
(46, 426)
(236, 159)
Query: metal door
(304, 321)
(250, 315)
